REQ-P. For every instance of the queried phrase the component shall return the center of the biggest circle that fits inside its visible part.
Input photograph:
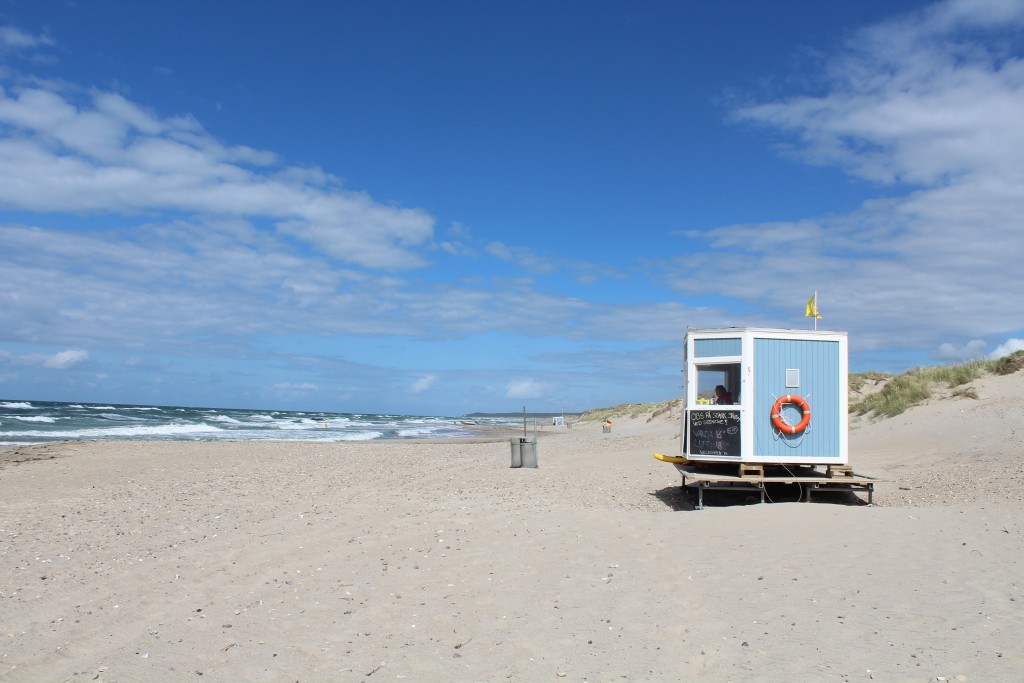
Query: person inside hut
(722, 397)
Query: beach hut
(776, 397)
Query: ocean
(36, 422)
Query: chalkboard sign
(714, 432)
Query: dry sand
(275, 561)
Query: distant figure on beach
(722, 397)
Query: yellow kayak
(670, 458)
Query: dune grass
(631, 410)
(621, 410)
(1007, 365)
(919, 384)
(857, 380)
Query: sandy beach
(387, 560)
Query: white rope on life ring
(780, 422)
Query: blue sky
(445, 207)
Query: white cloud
(113, 288)
(528, 260)
(930, 105)
(527, 388)
(423, 383)
(145, 363)
(1006, 348)
(12, 38)
(303, 386)
(972, 349)
(66, 359)
(922, 98)
(524, 257)
(954, 13)
(105, 154)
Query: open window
(710, 375)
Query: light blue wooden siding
(818, 362)
(712, 348)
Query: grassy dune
(917, 385)
(631, 410)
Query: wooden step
(755, 471)
(833, 471)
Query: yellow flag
(812, 307)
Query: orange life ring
(781, 423)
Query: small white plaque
(793, 378)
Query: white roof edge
(769, 330)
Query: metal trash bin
(524, 451)
(528, 451)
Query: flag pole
(816, 309)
